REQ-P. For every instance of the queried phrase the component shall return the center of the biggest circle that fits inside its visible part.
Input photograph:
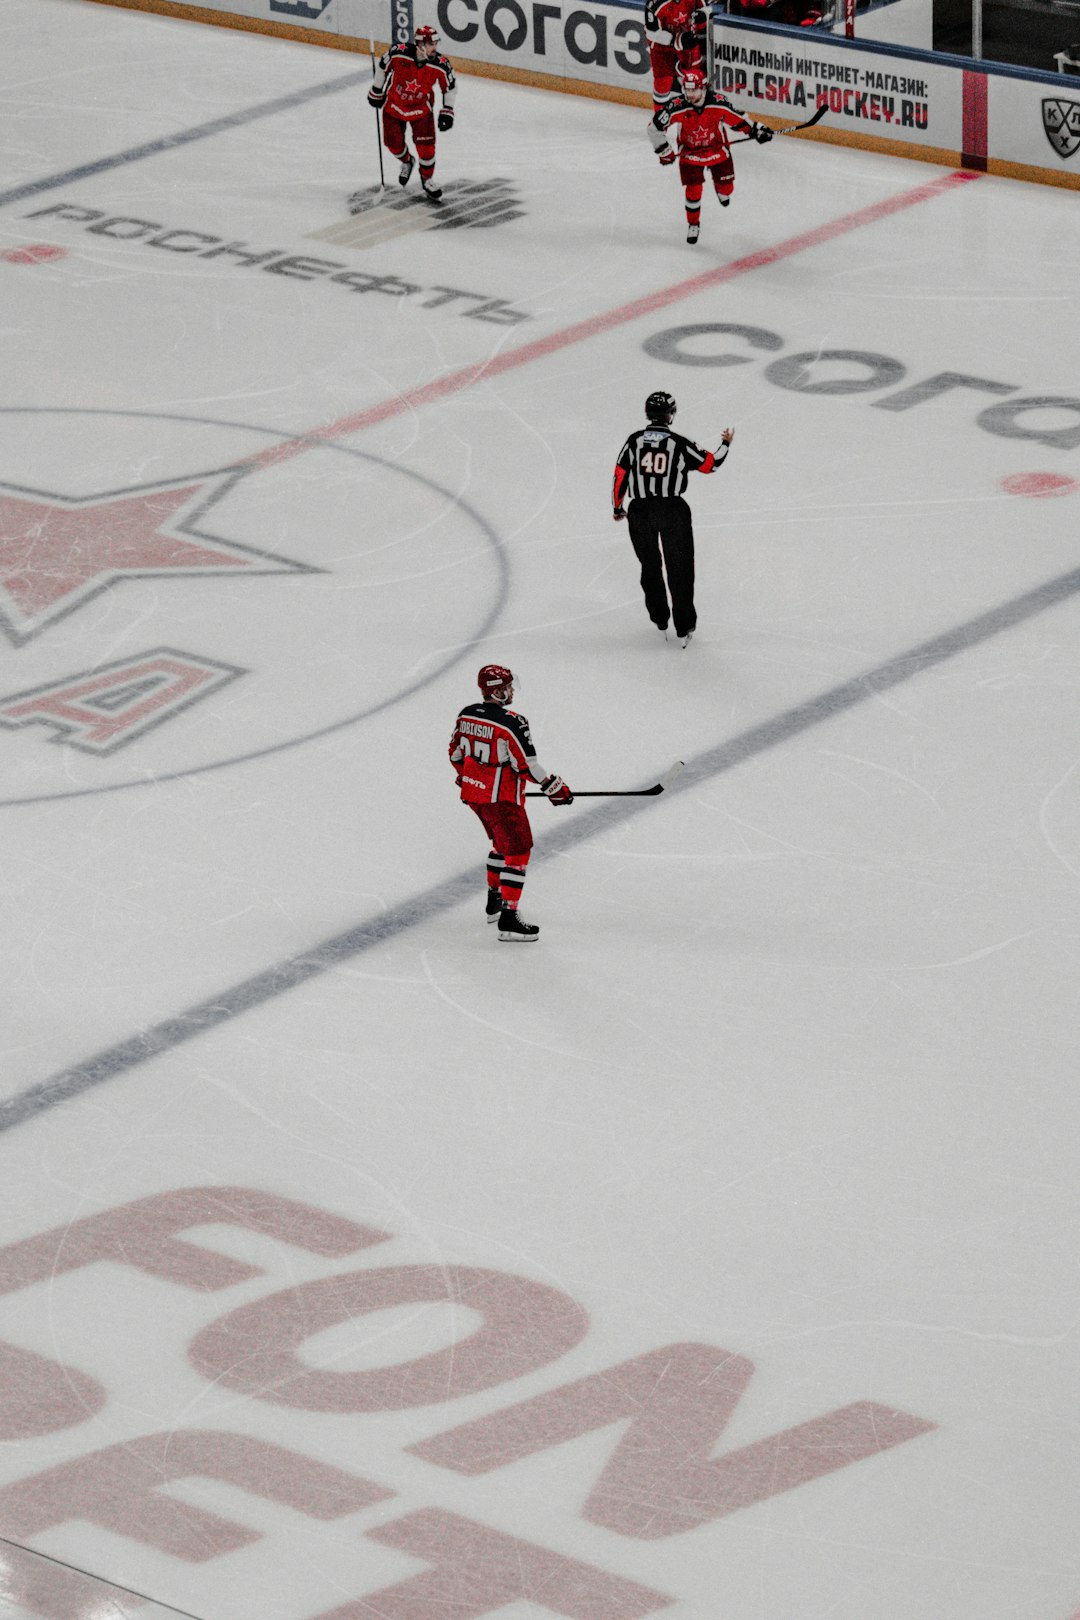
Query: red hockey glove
(556, 790)
(376, 98)
(445, 120)
(666, 155)
(761, 133)
(619, 515)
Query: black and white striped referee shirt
(654, 463)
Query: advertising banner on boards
(348, 18)
(1036, 123)
(886, 97)
(603, 44)
(915, 101)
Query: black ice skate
(684, 641)
(512, 927)
(432, 192)
(723, 201)
(693, 232)
(494, 905)
(408, 164)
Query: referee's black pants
(662, 524)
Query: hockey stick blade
(626, 793)
(788, 129)
(669, 776)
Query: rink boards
(909, 103)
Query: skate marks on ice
(35, 552)
(184, 137)
(440, 898)
(509, 359)
(62, 1588)
(379, 214)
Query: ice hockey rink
(717, 1255)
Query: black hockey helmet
(659, 407)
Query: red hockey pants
(693, 175)
(507, 825)
(423, 134)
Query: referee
(652, 469)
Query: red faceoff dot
(1036, 483)
(34, 253)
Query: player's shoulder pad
(406, 49)
(519, 725)
(443, 62)
(473, 711)
(678, 105)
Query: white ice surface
(792, 1070)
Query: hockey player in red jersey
(702, 119)
(675, 30)
(406, 82)
(492, 752)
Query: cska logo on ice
(148, 630)
(105, 708)
(1061, 121)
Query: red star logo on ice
(57, 552)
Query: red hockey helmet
(426, 36)
(496, 682)
(694, 84)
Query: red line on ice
(508, 359)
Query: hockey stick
(626, 793)
(789, 129)
(378, 128)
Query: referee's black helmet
(659, 407)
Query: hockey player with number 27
(701, 119)
(404, 88)
(492, 752)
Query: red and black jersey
(701, 131)
(666, 20)
(673, 43)
(408, 87)
(492, 751)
